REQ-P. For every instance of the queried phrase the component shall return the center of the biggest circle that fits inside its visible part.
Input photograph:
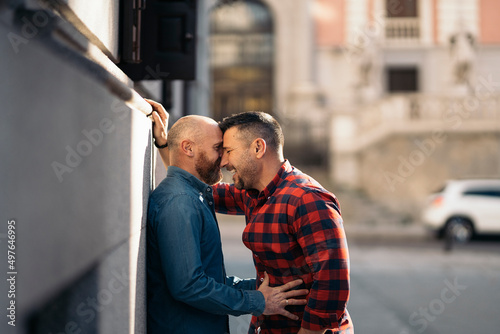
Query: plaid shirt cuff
(316, 321)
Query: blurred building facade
(262, 55)
(413, 88)
(392, 96)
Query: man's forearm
(160, 120)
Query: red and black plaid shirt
(294, 230)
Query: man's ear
(187, 147)
(259, 147)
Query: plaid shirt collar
(268, 191)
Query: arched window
(241, 60)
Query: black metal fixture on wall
(158, 39)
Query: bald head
(195, 145)
(193, 128)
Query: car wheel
(459, 229)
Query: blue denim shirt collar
(196, 183)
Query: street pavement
(402, 280)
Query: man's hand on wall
(160, 120)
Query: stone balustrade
(401, 30)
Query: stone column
(303, 92)
(344, 167)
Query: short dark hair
(256, 124)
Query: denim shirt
(187, 287)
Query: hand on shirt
(307, 331)
(276, 298)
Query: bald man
(187, 287)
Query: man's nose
(223, 160)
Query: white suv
(464, 208)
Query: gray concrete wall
(104, 26)
(75, 175)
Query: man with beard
(293, 226)
(187, 287)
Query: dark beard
(247, 174)
(240, 185)
(209, 172)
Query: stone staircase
(359, 209)
(365, 218)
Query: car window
(490, 192)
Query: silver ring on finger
(286, 300)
